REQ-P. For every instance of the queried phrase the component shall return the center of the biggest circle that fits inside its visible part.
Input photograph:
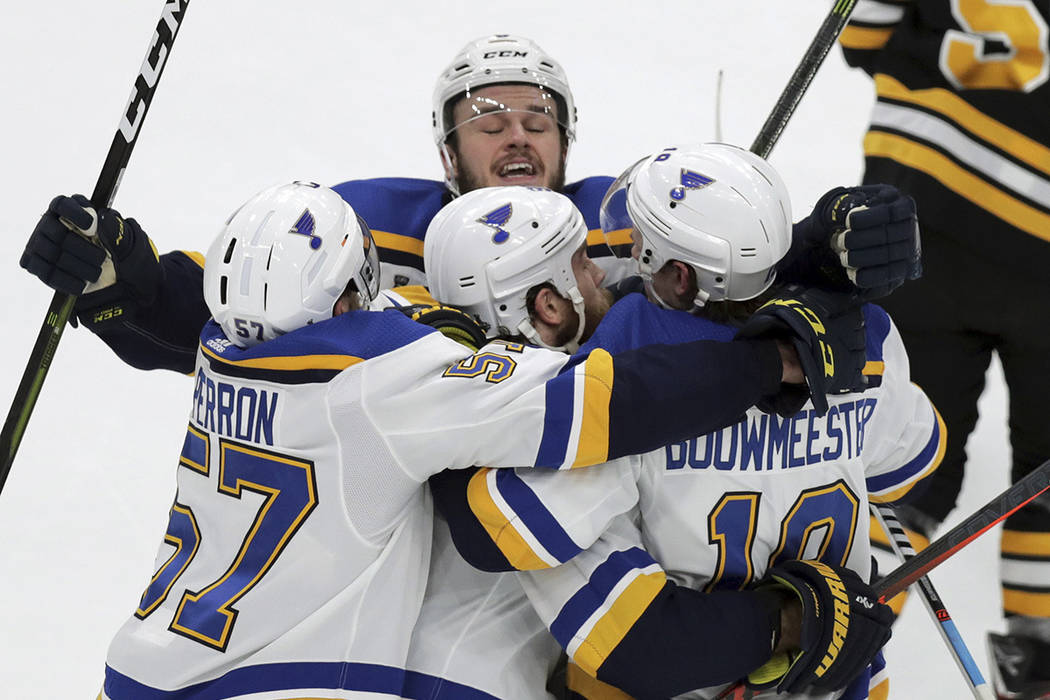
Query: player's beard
(468, 180)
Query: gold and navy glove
(827, 331)
(450, 321)
(843, 627)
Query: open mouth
(517, 169)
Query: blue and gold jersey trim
(894, 485)
(520, 525)
(597, 618)
(576, 425)
(315, 353)
(287, 678)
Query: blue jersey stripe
(539, 521)
(587, 600)
(557, 421)
(263, 678)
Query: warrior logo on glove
(818, 328)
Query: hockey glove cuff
(827, 331)
(131, 276)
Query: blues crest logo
(305, 226)
(496, 218)
(691, 180)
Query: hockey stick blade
(105, 188)
(985, 518)
(799, 82)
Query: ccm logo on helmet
(505, 53)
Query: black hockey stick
(901, 545)
(105, 188)
(802, 77)
(993, 512)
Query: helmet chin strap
(529, 331)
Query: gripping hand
(861, 239)
(108, 260)
(826, 330)
(843, 627)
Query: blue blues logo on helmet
(305, 226)
(496, 218)
(691, 180)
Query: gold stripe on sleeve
(504, 536)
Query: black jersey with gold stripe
(961, 118)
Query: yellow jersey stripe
(880, 691)
(593, 447)
(415, 294)
(874, 369)
(590, 687)
(610, 630)
(397, 241)
(1029, 544)
(960, 111)
(194, 256)
(959, 180)
(299, 362)
(864, 37)
(621, 236)
(514, 547)
(1026, 603)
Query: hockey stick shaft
(985, 518)
(901, 545)
(785, 105)
(105, 188)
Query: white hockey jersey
(299, 541)
(713, 512)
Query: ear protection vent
(229, 252)
(223, 281)
(465, 282)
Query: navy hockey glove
(863, 239)
(827, 331)
(843, 627)
(108, 260)
(63, 259)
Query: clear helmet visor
(367, 277)
(539, 112)
(617, 226)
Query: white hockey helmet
(283, 259)
(718, 208)
(494, 60)
(484, 251)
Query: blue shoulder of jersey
(587, 195)
(398, 210)
(314, 353)
(634, 322)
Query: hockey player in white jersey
(299, 540)
(721, 512)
